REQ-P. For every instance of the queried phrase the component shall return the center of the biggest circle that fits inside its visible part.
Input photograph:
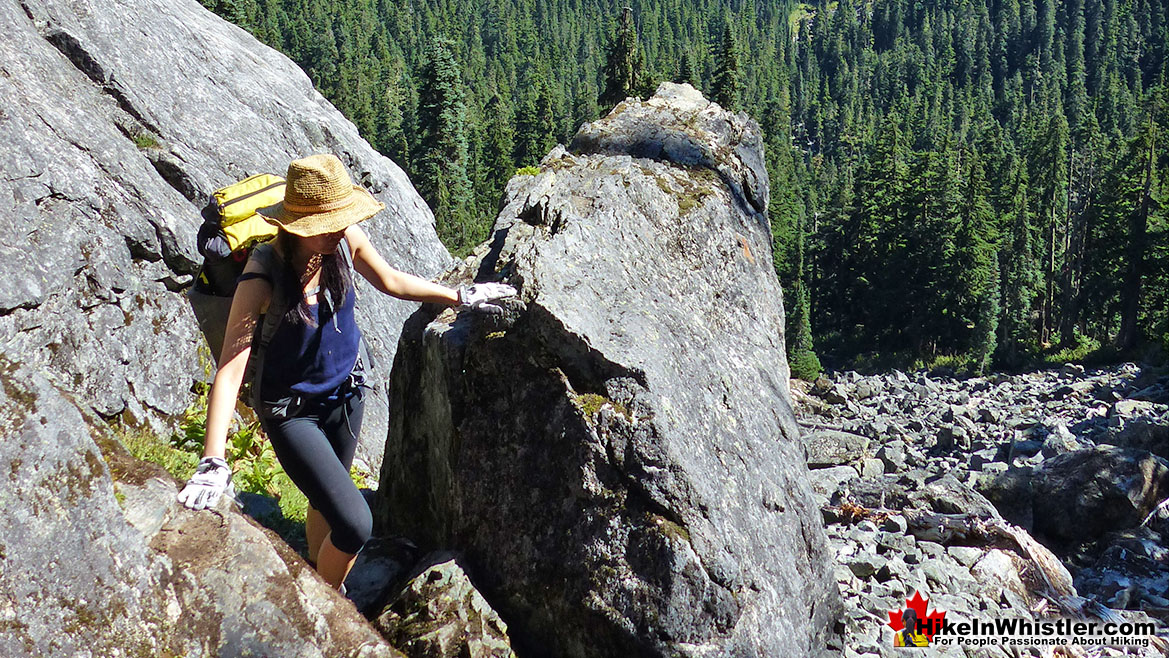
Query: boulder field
(1031, 496)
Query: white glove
(479, 296)
(212, 477)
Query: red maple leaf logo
(930, 624)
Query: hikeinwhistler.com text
(1051, 633)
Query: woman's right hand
(213, 476)
(211, 479)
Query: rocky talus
(616, 455)
(1031, 496)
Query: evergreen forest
(979, 181)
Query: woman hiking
(309, 390)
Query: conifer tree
(728, 82)
(535, 121)
(802, 359)
(390, 137)
(621, 63)
(976, 302)
(986, 325)
(688, 69)
(1020, 279)
(1048, 176)
(1144, 152)
(442, 148)
(500, 145)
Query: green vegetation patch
(591, 403)
(527, 171)
(670, 529)
(146, 141)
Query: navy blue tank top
(312, 359)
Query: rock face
(116, 122)
(101, 561)
(616, 456)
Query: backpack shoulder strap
(347, 254)
(270, 264)
(347, 257)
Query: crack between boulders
(23, 306)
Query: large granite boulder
(1079, 496)
(116, 122)
(616, 455)
(99, 560)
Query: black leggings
(315, 447)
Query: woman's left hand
(478, 296)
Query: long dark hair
(335, 279)
(909, 618)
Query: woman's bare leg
(315, 530)
(333, 564)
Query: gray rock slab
(90, 569)
(1079, 496)
(115, 125)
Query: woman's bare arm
(370, 264)
(251, 298)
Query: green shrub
(527, 171)
(805, 365)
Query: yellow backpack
(231, 230)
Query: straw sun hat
(320, 198)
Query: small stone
(988, 415)
(937, 573)
(895, 524)
(872, 467)
(994, 468)
(953, 436)
(866, 564)
(965, 555)
(893, 569)
(843, 574)
(1059, 440)
(866, 526)
(930, 548)
(980, 459)
(892, 455)
(889, 542)
(1130, 408)
(1023, 449)
(827, 481)
(832, 448)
